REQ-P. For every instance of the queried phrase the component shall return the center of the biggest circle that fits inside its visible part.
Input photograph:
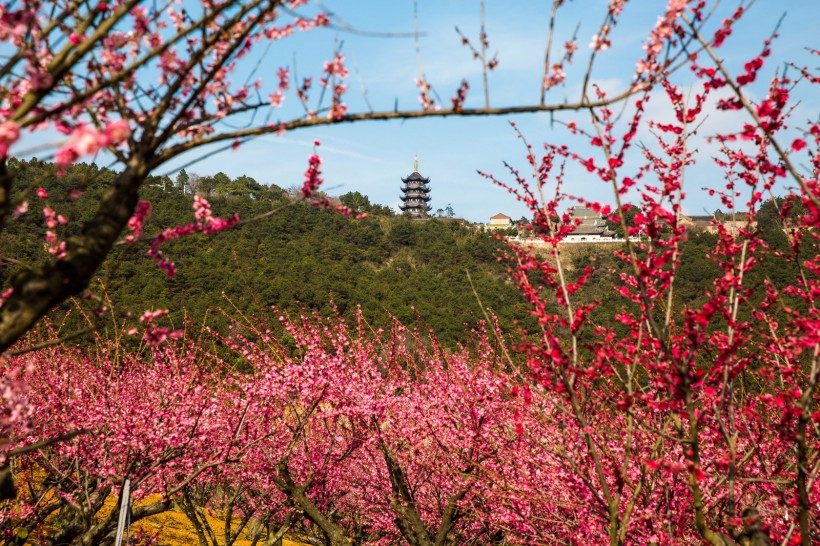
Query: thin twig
(484, 68)
(343, 26)
(45, 443)
(555, 5)
(50, 343)
(487, 318)
(361, 84)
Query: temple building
(590, 227)
(415, 193)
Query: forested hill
(304, 258)
(300, 258)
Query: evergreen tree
(182, 181)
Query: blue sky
(370, 157)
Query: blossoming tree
(669, 422)
(148, 82)
(691, 420)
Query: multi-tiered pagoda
(415, 193)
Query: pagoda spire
(415, 193)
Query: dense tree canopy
(302, 258)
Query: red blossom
(9, 134)
(312, 176)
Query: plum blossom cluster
(335, 73)
(16, 23)
(461, 95)
(9, 134)
(327, 204)
(278, 97)
(313, 178)
(137, 222)
(52, 221)
(154, 335)
(600, 42)
(301, 23)
(555, 77)
(205, 223)
(425, 98)
(303, 94)
(15, 409)
(53, 244)
(479, 53)
(667, 27)
(87, 140)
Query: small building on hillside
(698, 223)
(499, 221)
(734, 226)
(415, 195)
(710, 223)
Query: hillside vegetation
(300, 258)
(305, 258)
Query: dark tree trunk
(38, 290)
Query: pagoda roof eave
(415, 177)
